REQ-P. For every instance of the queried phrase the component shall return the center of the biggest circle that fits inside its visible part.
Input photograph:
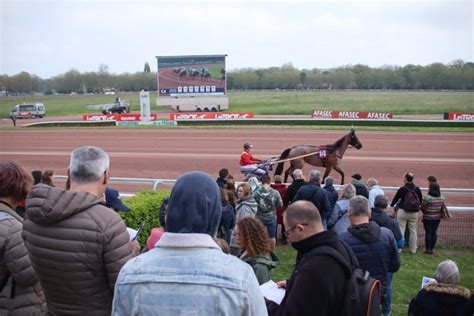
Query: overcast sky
(48, 38)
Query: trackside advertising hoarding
(328, 114)
(115, 117)
(181, 76)
(461, 116)
(210, 116)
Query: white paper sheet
(132, 232)
(271, 292)
(426, 280)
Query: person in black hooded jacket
(318, 283)
(374, 246)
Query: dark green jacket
(261, 265)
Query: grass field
(407, 281)
(277, 102)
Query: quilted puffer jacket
(77, 247)
(375, 248)
(16, 272)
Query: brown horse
(334, 153)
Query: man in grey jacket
(76, 244)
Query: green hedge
(145, 206)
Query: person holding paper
(318, 283)
(445, 296)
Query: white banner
(145, 105)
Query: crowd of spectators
(71, 254)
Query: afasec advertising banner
(328, 114)
(115, 117)
(191, 75)
(461, 116)
(210, 116)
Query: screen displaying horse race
(191, 75)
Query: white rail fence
(155, 183)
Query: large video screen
(191, 75)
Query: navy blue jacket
(379, 216)
(332, 196)
(375, 248)
(293, 189)
(319, 197)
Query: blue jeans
(271, 226)
(387, 294)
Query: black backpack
(363, 293)
(412, 202)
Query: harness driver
(249, 164)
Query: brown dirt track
(167, 153)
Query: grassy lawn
(276, 102)
(407, 281)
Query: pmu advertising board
(190, 76)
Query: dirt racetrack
(167, 153)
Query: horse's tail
(283, 155)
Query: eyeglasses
(287, 232)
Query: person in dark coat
(361, 188)
(298, 182)
(333, 196)
(407, 219)
(228, 217)
(374, 246)
(318, 283)
(221, 181)
(445, 296)
(314, 193)
(383, 220)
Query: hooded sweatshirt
(268, 200)
(245, 207)
(77, 247)
(199, 195)
(375, 248)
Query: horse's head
(354, 142)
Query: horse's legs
(339, 170)
(288, 172)
(326, 173)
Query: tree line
(457, 75)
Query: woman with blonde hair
(246, 206)
(339, 218)
(252, 238)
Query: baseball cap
(112, 199)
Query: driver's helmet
(247, 146)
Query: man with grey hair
(76, 244)
(318, 283)
(298, 182)
(445, 296)
(374, 246)
(374, 190)
(314, 193)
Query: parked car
(34, 110)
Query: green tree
(146, 68)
